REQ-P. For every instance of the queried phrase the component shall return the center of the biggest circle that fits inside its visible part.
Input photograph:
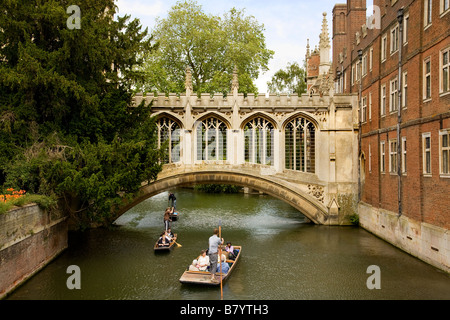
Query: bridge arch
(305, 203)
(212, 114)
(300, 115)
(170, 115)
(260, 114)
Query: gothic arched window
(211, 139)
(259, 141)
(169, 138)
(300, 136)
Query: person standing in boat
(167, 218)
(214, 243)
(174, 200)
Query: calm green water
(283, 257)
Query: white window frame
(426, 79)
(364, 65)
(428, 13)
(442, 67)
(370, 158)
(405, 90)
(394, 39)
(404, 150)
(364, 109)
(353, 74)
(371, 59)
(442, 149)
(345, 80)
(383, 100)
(444, 7)
(405, 29)
(383, 156)
(393, 156)
(426, 150)
(384, 48)
(393, 95)
(358, 71)
(370, 106)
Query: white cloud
(142, 9)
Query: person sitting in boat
(193, 266)
(203, 261)
(223, 264)
(230, 250)
(169, 234)
(163, 241)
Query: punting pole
(220, 259)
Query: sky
(288, 23)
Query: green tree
(211, 46)
(67, 124)
(291, 80)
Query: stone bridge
(300, 149)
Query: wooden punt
(165, 248)
(204, 277)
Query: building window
(259, 141)
(405, 90)
(444, 77)
(383, 48)
(364, 64)
(300, 136)
(403, 154)
(394, 39)
(383, 100)
(371, 59)
(353, 75)
(169, 139)
(392, 156)
(427, 79)
(211, 140)
(426, 149)
(428, 10)
(345, 80)
(382, 157)
(364, 109)
(405, 29)
(445, 152)
(394, 96)
(445, 6)
(370, 158)
(358, 71)
(370, 106)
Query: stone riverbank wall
(29, 239)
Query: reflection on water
(283, 257)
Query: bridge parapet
(271, 101)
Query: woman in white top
(203, 261)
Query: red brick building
(410, 38)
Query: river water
(283, 257)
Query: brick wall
(424, 198)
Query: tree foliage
(291, 80)
(67, 125)
(211, 46)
